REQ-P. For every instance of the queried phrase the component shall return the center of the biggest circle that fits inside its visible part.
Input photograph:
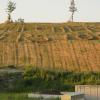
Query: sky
(52, 10)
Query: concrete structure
(44, 96)
(92, 92)
(72, 96)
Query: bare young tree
(72, 9)
(10, 8)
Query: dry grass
(66, 46)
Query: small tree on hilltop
(72, 9)
(10, 8)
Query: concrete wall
(92, 92)
(65, 97)
(76, 97)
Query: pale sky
(52, 10)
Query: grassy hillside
(65, 46)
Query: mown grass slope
(62, 46)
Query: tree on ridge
(72, 9)
(10, 8)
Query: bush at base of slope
(45, 81)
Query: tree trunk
(72, 16)
(9, 17)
